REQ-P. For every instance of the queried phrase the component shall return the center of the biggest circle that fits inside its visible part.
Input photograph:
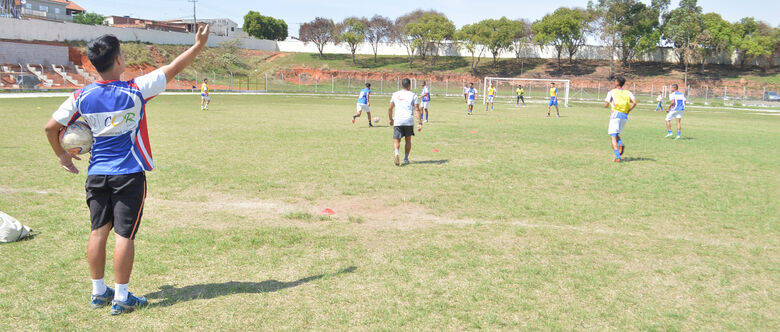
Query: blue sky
(459, 11)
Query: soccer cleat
(102, 300)
(397, 160)
(132, 302)
(668, 135)
(370, 125)
(406, 161)
(676, 138)
(426, 120)
(617, 160)
(621, 148)
(353, 119)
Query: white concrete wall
(37, 30)
(13, 53)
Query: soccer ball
(376, 119)
(77, 138)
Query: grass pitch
(515, 222)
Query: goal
(535, 88)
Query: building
(131, 22)
(219, 26)
(56, 10)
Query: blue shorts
(553, 101)
(202, 94)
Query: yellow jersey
(553, 92)
(204, 89)
(491, 91)
(520, 91)
(620, 100)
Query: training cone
(435, 150)
(328, 211)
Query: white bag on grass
(11, 229)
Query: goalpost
(534, 88)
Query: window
(56, 10)
(232, 29)
(28, 6)
(43, 8)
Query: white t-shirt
(679, 100)
(404, 102)
(660, 97)
(465, 90)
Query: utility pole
(194, 17)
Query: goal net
(535, 89)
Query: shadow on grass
(632, 159)
(434, 162)
(171, 295)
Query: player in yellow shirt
(205, 99)
(491, 95)
(553, 101)
(622, 102)
(520, 93)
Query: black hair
(103, 51)
(205, 80)
(406, 83)
(674, 86)
(553, 83)
(368, 85)
(471, 83)
(620, 80)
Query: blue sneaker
(102, 300)
(133, 302)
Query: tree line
(628, 28)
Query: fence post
(266, 82)
(744, 93)
(382, 84)
(598, 94)
(763, 95)
(349, 82)
(446, 86)
(725, 91)
(316, 84)
(299, 82)
(706, 95)
(332, 84)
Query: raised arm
(184, 59)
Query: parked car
(27, 81)
(771, 96)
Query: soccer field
(504, 220)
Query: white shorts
(673, 114)
(470, 102)
(363, 107)
(616, 126)
(206, 98)
(425, 104)
(490, 99)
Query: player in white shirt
(466, 96)
(425, 101)
(404, 108)
(660, 100)
(676, 108)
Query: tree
(683, 28)
(264, 27)
(717, 35)
(402, 35)
(499, 36)
(88, 18)
(564, 29)
(319, 31)
(379, 29)
(638, 32)
(353, 32)
(522, 35)
(473, 38)
(753, 39)
(430, 32)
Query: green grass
(518, 222)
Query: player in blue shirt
(425, 97)
(364, 104)
(116, 181)
(676, 108)
(471, 95)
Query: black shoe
(370, 125)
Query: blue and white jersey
(363, 96)
(472, 93)
(679, 100)
(116, 113)
(426, 94)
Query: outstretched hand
(202, 36)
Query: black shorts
(403, 131)
(117, 198)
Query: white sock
(121, 292)
(98, 286)
(396, 152)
